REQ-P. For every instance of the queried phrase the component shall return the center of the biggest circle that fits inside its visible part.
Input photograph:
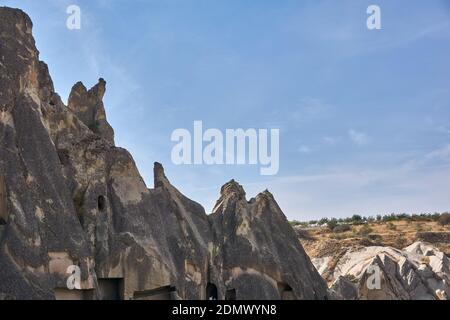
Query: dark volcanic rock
(88, 107)
(260, 255)
(69, 196)
(41, 214)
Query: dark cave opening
(211, 291)
(110, 288)
(101, 203)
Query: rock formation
(69, 196)
(418, 272)
(87, 105)
(258, 246)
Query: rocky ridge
(69, 196)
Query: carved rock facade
(69, 196)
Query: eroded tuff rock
(418, 272)
(69, 196)
(260, 255)
(87, 105)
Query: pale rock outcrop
(418, 272)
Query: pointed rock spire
(88, 107)
(159, 176)
(230, 192)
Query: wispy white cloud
(310, 109)
(332, 140)
(358, 138)
(346, 191)
(305, 149)
(435, 158)
(444, 129)
(442, 153)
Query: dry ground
(321, 242)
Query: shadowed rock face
(69, 196)
(260, 255)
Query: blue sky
(364, 116)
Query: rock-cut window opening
(110, 288)
(211, 291)
(101, 203)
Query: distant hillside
(319, 238)
(412, 255)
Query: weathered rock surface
(87, 105)
(418, 272)
(260, 248)
(69, 196)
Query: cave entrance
(110, 288)
(3, 203)
(101, 203)
(286, 292)
(162, 293)
(230, 294)
(211, 291)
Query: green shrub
(340, 236)
(365, 230)
(295, 223)
(390, 217)
(400, 242)
(342, 228)
(331, 224)
(444, 219)
(391, 226)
